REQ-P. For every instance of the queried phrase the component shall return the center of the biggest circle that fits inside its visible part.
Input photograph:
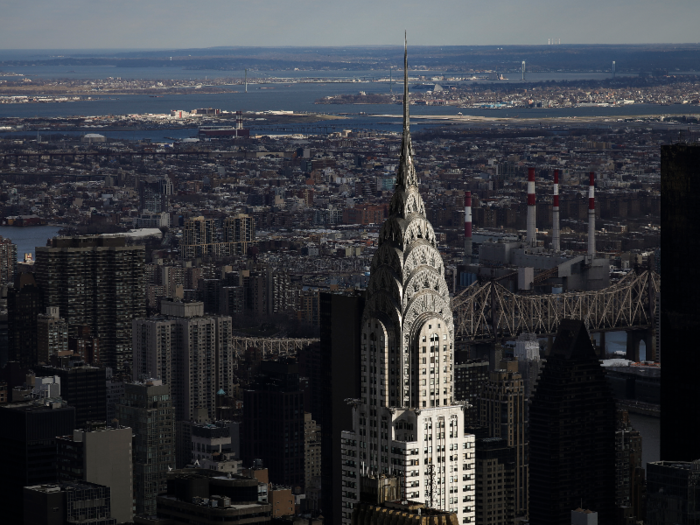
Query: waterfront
(27, 239)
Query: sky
(177, 24)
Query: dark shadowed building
(273, 423)
(341, 317)
(680, 309)
(572, 433)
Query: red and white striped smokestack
(531, 238)
(467, 227)
(555, 215)
(591, 215)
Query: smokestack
(555, 214)
(467, 227)
(531, 239)
(591, 216)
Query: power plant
(523, 262)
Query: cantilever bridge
(487, 311)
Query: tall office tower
(680, 219)
(147, 409)
(470, 377)
(312, 451)
(239, 230)
(70, 502)
(629, 473)
(273, 423)
(154, 193)
(572, 433)
(502, 412)
(405, 421)
(673, 492)
(341, 317)
(52, 335)
(190, 352)
(98, 282)
(495, 479)
(8, 261)
(28, 433)
(25, 301)
(83, 387)
(100, 454)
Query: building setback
(406, 421)
(572, 433)
(98, 282)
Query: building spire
(406, 173)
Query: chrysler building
(407, 422)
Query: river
(29, 237)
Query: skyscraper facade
(680, 310)
(572, 433)
(8, 261)
(341, 323)
(273, 423)
(405, 422)
(25, 301)
(502, 412)
(147, 408)
(190, 352)
(98, 282)
(52, 335)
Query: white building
(407, 422)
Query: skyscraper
(680, 310)
(147, 408)
(572, 433)
(273, 423)
(8, 261)
(341, 317)
(98, 282)
(52, 335)
(502, 412)
(25, 301)
(405, 422)
(189, 351)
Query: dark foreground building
(273, 423)
(572, 433)
(341, 317)
(680, 309)
(28, 442)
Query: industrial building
(525, 263)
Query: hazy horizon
(177, 24)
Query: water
(649, 428)
(28, 238)
(300, 99)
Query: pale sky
(177, 24)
